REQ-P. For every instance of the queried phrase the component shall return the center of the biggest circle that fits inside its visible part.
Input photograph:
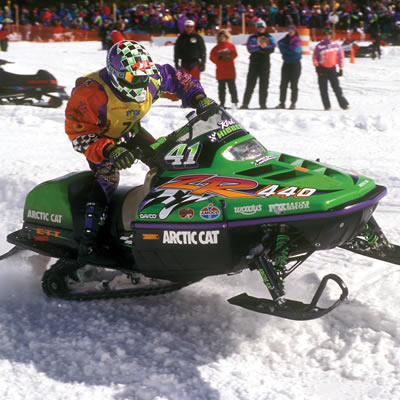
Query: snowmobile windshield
(244, 151)
(216, 119)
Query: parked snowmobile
(217, 203)
(41, 89)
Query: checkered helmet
(129, 67)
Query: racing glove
(340, 73)
(120, 156)
(202, 102)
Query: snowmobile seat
(131, 202)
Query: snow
(192, 344)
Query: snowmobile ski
(371, 242)
(292, 309)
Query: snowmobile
(216, 202)
(41, 89)
(361, 50)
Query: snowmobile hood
(214, 170)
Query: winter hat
(292, 28)
(261, 24)
(189, 22)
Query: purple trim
(269, 220)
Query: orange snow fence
(304, 34)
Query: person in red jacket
(223, 56)
(3, 37)
(116, 34)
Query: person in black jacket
(190, 51)
(104, 34)
(260, 45)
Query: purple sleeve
(252, 45)
(177, 82)
(296, 42)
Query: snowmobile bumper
(292, 309)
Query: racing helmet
(129, 67)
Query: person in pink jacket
(223, 56)
(327, 54)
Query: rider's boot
(91, 251)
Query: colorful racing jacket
(328, 54)
(96, 115)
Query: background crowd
(169, 17)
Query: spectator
(116, 34)
(260, 45)
(290, 47)
(104, 34)
(190, 51)
(3, 36)
(326, 56)
(223, 55)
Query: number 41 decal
(183, 155)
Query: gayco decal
(248, 210)
(44, 216)
(190, 237)
(280, 208)
(147, 216)
(210, 212)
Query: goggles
(134, 81)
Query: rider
(103, 122)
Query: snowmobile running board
(291, 309)
(9, 253)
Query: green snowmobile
(217, 202)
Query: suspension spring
(281, 257)
(370, 236)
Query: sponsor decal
(248, 210)
(263, 160)
(210, 212)
(47, 232)
(190, 237)
(44, 216)
(363, 183)
(280, 208)
(148, 216)
(185, 79)
(186, 213)
(223, 133)
(225, 123)
(133, 114)
(150, 236)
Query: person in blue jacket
(260, 45)
(290, 47)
